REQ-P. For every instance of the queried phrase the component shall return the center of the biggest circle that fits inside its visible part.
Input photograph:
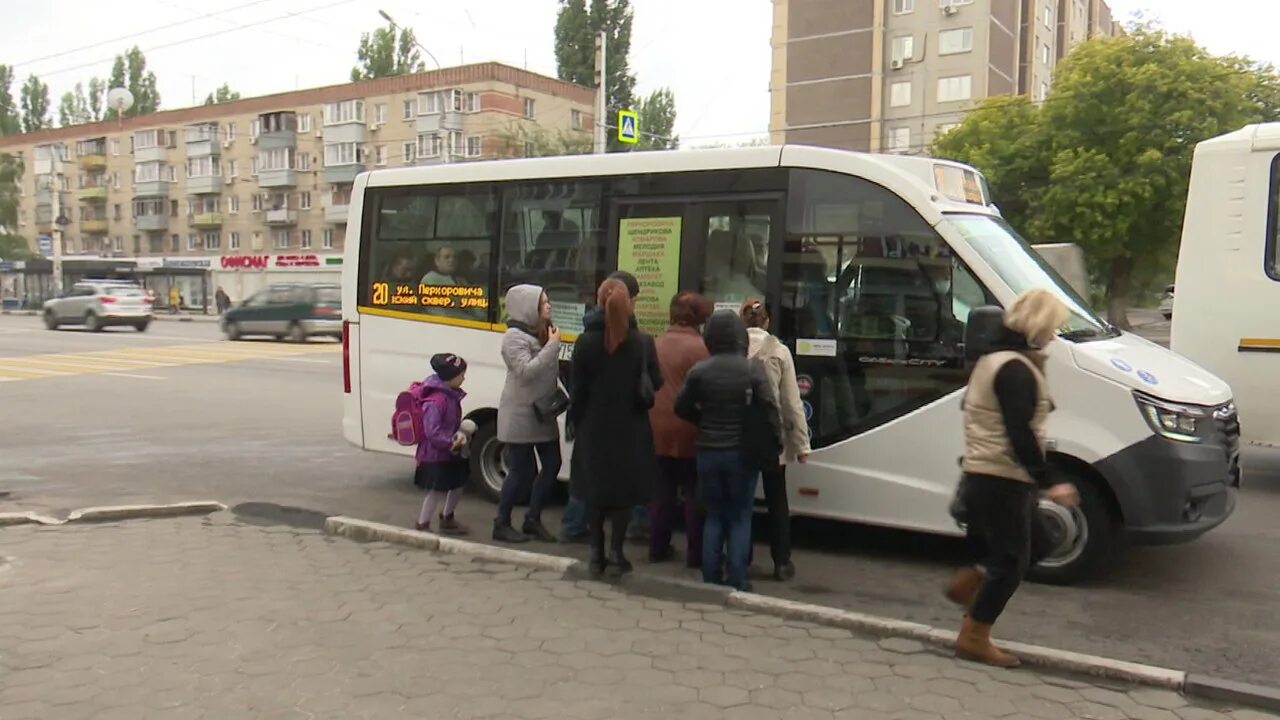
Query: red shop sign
(257, 262)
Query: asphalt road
(196, 417)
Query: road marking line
(114, 360)
(136, 377)
(296, 360)
(29, 373)
(76, 364)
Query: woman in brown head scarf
(613, 463)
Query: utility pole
(602, 93)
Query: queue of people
(705, 415)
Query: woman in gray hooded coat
(530, 350)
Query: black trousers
(779, 513)
(1005, 536)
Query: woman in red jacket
(675, 440)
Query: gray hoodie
(532, 371)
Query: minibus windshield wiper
(1082, 334)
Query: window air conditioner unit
(319, 133)
(950, 9)
(226, 143)
(897, 64)
(253, 140)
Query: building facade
(242, 193)
(892, 75)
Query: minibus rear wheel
(1084, 536)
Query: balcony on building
(338, 207)
(152, 179)
(343, 161)
(207, 220)
(94, 225)
(277, 130)
(92, 153)
(151, 214)
(282, 216)
(49, 158)
(440, 111)
(94, 187)
(275, 168)
(202, 140)
(204, 175)
(152, 145)
(344, 122)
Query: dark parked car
(294, 311)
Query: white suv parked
(97, 304)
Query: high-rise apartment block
(204, 196)
(891, 75)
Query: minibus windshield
(1023, 269)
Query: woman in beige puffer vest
(781, 368)
(1006, 412)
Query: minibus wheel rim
(1069, 529)
(493, 465)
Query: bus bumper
(1172, 492)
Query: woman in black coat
(613, 464)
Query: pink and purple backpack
(406, 419)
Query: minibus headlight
(1173, 420)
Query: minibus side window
(1271, 261)
(874, 304)
(428, 251)
(553, 236)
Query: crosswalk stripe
(121, 361)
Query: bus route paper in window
(649, 248)
(568, 317)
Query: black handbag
(552, 406)
(761, 446)
(645, 391)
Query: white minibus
(1226, 311)
(870, 265)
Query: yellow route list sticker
(649, 248)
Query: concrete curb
(644, 583)
(27, 518)
(131, 512)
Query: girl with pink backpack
(442, 469)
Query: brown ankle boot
(964, 586)
(974, 643)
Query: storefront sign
(244, 262)
(44, 245)
(296, 261)
(148, 264)
(649, 248)
(199, 263)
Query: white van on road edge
(870, 264)
(1228, 277)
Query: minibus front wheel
(488, 460)
(1083, 537)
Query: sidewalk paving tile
(211, 618)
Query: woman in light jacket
(530, 350)
(781, 367)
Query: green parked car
(294, 311)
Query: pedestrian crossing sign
(628, 127)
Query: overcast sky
(713, 53)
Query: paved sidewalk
(189, 618)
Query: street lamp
(421, 47)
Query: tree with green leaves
(10, 120)
(73, 108)
(12, 247)
(657, 118)
(130, 71)
(35, 105)
(221, 95)
(389, 51)
(575, 37)
(526, 139)
(1104, 162)
(97, 98)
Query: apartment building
(891, 75)
(242, 193)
